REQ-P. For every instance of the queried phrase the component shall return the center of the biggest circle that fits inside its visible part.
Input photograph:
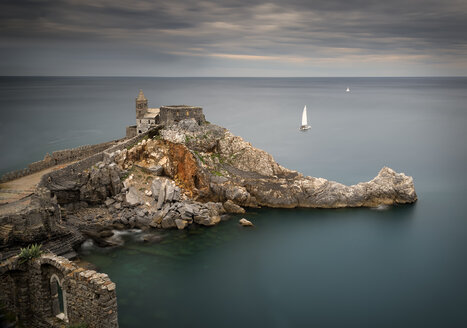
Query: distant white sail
(348, 89)
(304, 118)
(304, 125)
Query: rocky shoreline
(177, 176)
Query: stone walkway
(17, 189)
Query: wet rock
(168, 222)
(152, 238)
(207, 220)
(231, 207)
(106, 234)
(244, 222)
(181, 224)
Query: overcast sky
(233, 38)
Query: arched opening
(58, 297)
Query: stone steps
(60, 245)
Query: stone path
(20, 188)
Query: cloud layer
(233, 38)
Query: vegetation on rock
(31, 252)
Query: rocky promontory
(176, 176)
(211, 164)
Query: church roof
(141, 95)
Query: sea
(396, 266)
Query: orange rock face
(187, 172)
(176, 159)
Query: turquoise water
(397, 267)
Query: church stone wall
(29, 291)
(176, 113)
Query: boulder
(168, 222)
(207, 220)
(132, 196)
(181, 224)
(244, 222)
(231, 207)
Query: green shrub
(31, 252)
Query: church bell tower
(141, 105)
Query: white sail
(304, 118)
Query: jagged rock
(132, 196)
(244, 222)
(109, 201)
(148, 193)
(156, 169)
(168, 222)
(161, 197)
(214, 208)
(231, 207)
(181, 224)
(207, 220)
(169, 192)
(237, 194)
(156, 186)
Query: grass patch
(31, 252)
(200, 157)
(217, 173)
(219, 158)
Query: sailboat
(304, 125)
(348, 89)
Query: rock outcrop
(230, 169)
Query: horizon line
(259, 77)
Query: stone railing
(59, 157)
(71, 172)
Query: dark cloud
(299, 35)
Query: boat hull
(305, 127)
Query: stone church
(147, 118)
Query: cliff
(212, 164)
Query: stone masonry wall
(30, 291)
(176, 113)
(59, 157)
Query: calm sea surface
(403, 266)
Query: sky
(233, 38)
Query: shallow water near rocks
(398, 266)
